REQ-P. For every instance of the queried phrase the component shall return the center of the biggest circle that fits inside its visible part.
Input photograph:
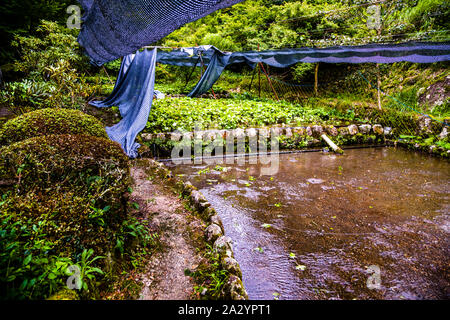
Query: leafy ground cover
(172, 114)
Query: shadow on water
(316, 228)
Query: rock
(288, 132)
(208, 212)
(276, 131)
(223, 245)
(436, 94)
(198, 135)
(313, 143)
(332, 131)
(161, 136)
(146, 136)
(232, 266)
(317, 131)
(238, 133)
(199, 200)
(421, 91)
(425, 125)
(209, 135)
(264, 133)
(188, 135)
(64, 294)
(299, 130)
(216, 220)
(378, 129)
(365, 128)
(308, 131)
(213, 232)
(234, 289)
(444, 133)
(343, 131)
(252, 132)
(223, 133)
(387, 131)
(352, 129)
(175, 136)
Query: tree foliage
(262, 24)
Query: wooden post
(259, 78)
(378, 86)
(316, 79)
(378, 71)
(268, 80)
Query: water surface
(312, 230)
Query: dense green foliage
(64, 203)
(21, 17)
(52, 68)
(50, 121)
(280, 24)
(190, 113)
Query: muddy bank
(312, 230)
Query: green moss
(72, 178)
(62, 161)
(50, 121)
(64, 294)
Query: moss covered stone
(50, 121)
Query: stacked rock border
(214, 232)
(343, 135)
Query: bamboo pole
(378, 72)
(270, 82)
(259, 78)
(316, 79)
(332, 144)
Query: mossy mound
(50, 121)
(62, 162)
(74, 186)
(64, 294)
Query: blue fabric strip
(133, 94)
(375, 53)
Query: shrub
(63, 196)
(67, 162)
(51, 63)
(50, 121)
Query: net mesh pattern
(112, 29)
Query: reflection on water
(312, 230)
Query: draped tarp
(134, 89)
(112, 29)
(133, 94)
(417, 52)
(215, 68)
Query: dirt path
(165, 278)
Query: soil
(165, 276)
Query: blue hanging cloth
(215, 68)
(416, 52)
(133, 94)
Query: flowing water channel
(371, 224)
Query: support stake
(316, 79)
